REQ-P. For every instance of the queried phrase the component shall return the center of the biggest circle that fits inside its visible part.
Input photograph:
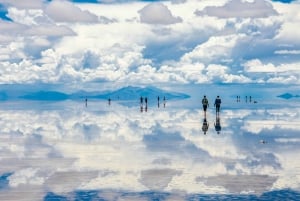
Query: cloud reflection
(163, 149)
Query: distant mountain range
(126, 93)
(288, 96)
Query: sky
(149, 42)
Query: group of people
(217, 105)
(144, 101)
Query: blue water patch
(4, 180)
(285, 1)
(3, 13)
(54, 197)
(282, 195)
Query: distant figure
(205, 126)
(146, 101)
(157, 99)
(141, 101)
(86, 102)
(164, 101)
(217, 104)
(238, 99)
(217, 124)
(250, 99)
(109, 101)
(205, 104)
(263, 141)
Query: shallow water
(66, 151)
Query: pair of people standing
(217, 124)
(206, 104)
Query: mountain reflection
(103, 148)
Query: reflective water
(67, 151)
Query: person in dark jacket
(218, 104)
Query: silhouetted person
(141, 101)
(205, 104)
(218, 104)
(205, 126)
(109, 101)
(250, 99)
(86, 102)
(146, 101)
(164, 101)
(217, 124)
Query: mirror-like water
(66, 151)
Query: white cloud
(243, 9)
(49, 30)
(158, 13)
(64, 11)
(287, 52)
(24, 4)
(216, 48)
(113, 45)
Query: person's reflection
(205, 125)
(217, 124)
(141, 109)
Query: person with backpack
(205, 104)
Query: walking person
(141, 101)
(218, 104)
(205, 104)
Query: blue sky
(149, 42)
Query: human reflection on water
(205, 125)
(217, 124)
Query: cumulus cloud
(240, 9)
(24, 4)
(216, 48)
(49, 30)
(158, 13)
(64, 11)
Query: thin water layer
(173, 151)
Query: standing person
(205, 104)
(141, 101)
(217, 104)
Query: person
(205, 104)
(218, 104)
(205, 126)
(146, 101)
(141, 100)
